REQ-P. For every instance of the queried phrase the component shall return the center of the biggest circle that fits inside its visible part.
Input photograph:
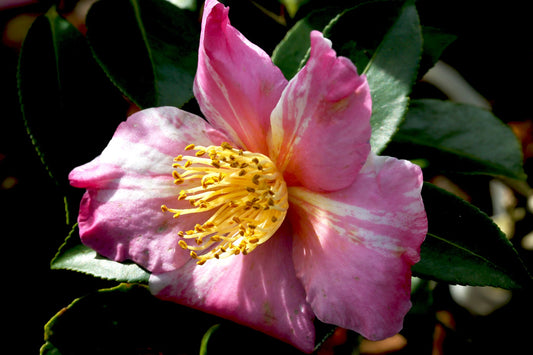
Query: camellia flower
(272, 212)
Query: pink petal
(354, 247)
(236, 84)
(322, 122)
(120, 214)
(259, 290)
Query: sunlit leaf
(77, 257)
(384, 41)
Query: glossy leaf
(464, 246)
(77, 257)
(384, 41)
(148, 48)
(291, 53)
(69, 107)
(460, 138)
(391, 74)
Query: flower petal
(120, 214)
(259, 290)
(236, 83)
(354, 247)
(322, 122)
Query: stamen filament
(246, 191)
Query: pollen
(244, 193)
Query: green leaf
(205, 339)
(293, 5)
(69, 107)
(460, 138)
(464, 246)
(291, 53)
(384, 41)
(434, 43)
(391, 74)
(125, 319)
(128, 319)
(148, 48)
(77, 257)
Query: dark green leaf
(127, 319)
(77, 257)
(357, 32)
(434, 43)
(382, 38)
(49, 349)
(464, 246)
(291, 53)
(460, 138)
(149, 49)
(69, 107)
(391, 74)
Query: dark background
(494, 52)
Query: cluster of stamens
(245, 192)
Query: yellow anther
(226, 145)
(198, 228)
(241, 212)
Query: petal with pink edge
(120, 214)
(322, 122)
(259, 290)
(236, 84)
(354, 248)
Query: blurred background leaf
(464, 246)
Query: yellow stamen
(244, 192)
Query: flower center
(246, 192)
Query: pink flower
(272, 212)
